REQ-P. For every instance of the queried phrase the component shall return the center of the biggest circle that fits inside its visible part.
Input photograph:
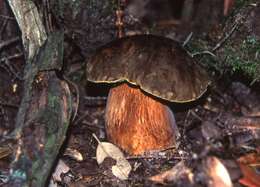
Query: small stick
(8, 105)
(95, 101)
(226, 37)
(77, 96)
(10, 69)
(203, 52)
(9, 42)
(17, 55)
(7, 17)
(188, 38)
(3, 27)
(196, 115)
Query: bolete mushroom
(147, 72)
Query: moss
(240, 53)
(113, 5)
(244, 58)
(53, 100)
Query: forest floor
(221, 131)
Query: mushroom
(148, 72)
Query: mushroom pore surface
(137, 122)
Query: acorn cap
(158, 65)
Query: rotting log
(43, 131)
(46, 107)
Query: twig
(5, 117)
(7, 17)
(210, 108)
(226, 37)
(98, 141)
(196, 115)
(203, 52)
(9, 42)
(187, 39)
(8, 105)
(253, 81)
(3, 28)
(155, 157)
(77, 96)
(95, 98)
(91, 126)
(17, 55)
(81, 118)
(10, 68)
(240, 123)
(217, 46)
(95, 101)
(248, 148)
(168, 148)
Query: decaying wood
(45, 110)
(30, 23)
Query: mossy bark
(46, 107)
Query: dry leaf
(52, 184)
(60, 169)
(217, 172)
(247, 164)
(174, 174)
(74, 154)
(5, 151)
(106, 149)
(122, 167)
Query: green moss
(114, 5)
(243, 3)
(51, 140)
(53, 100)
(240, 53)
(20, 174)
(244, 58)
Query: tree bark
(46, 107)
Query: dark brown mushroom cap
(158, 65)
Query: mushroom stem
(138, 123)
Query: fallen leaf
(248, 165)
(5, 151)
(60, 169)
(217, 172)
(106, 149)
(252, 158)
(74, 154)
(174, 174)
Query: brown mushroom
(154, 71)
